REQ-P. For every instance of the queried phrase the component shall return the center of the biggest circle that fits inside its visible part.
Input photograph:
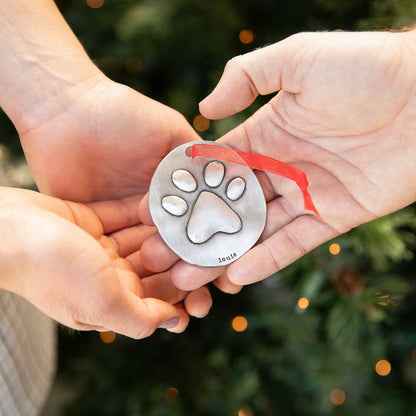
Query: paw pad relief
(209, 212)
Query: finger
(160, 286)
(198, 302)
(117, 214)
(183, 319)
(106, 242)
(144, 211)
(262, 71)
(130, 239)
(135, 261)
(79, 326)
(224, 284)
(131, 282)
(279, 213)
(189, 277)
(138, 318)
(156, 255)
(281, 249)
(112, 253)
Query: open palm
(345, 114)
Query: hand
(55, 254)
(107, 145)
(85, 137)
(345, 114)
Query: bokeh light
(303, 303)
(337, 396)
(246, 36)
(239, 324)
(171, 394)
(245, 411)
(201, 123)
(414, 354)
(334, 249)
(383, 368)
(107, 337)
(95, 4)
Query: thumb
(262, 71)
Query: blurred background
(333, 334)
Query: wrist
(42, 64)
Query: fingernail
(170, 323)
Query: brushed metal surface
(236, 188)
(214, 174)
(215, 229)
(175, 205)
(211, 215)
(184, 180)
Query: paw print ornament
(208, 211)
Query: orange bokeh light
(107, 337)
(245, 411)
(95, 4)
(334, 249)
(303, 303)
(337, 396)
(239, 324)
(171, 394)
(201, 123)
(383, 368)
(246, 36)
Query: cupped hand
(104, 142)
(345, 113)
(56, 255)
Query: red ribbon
(259, 162)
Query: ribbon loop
(259, 162)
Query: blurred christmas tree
(332, 334)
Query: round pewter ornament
(209, 212)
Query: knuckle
(235, 63)
(141, 332)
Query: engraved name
(227, 258)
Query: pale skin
(345, 113)
(86, 139)
(56, 255)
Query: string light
(201, 123)
(303, 303)
(246, 36)
(171, 394)
(337, 397)
(334, 249)
(107, 337)
(239, 324)
(383, 368)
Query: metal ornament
(209, 212)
